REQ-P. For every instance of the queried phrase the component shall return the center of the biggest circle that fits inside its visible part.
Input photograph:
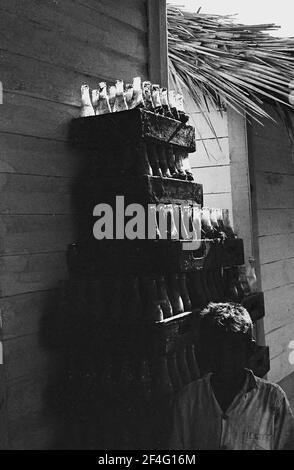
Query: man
(229, 408)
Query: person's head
(226, 338)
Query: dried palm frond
(222, 61)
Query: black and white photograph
(146, 228)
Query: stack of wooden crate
(133, 345)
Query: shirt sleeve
(284, 425)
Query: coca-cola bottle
(186, 166)
(206, 225)
(147, 96)
(120, 101)
(174, 294)
(103, 106)
(227, 224)
(251, 275)
(185, 222)
(111, 96)
(179, 163)
(156, 99)
(154, 159)
(179, 102)
(166, 215)
(95, 99)
(164, 102)
(184, 292)
(234, 290)
(86, 104)
(137, 99)
(214, 222)
(196, 224)
(219, 216)
(163, 161)
(243, 281)
(129, 91)
(172, 104)
(171, 161)
(163, 298)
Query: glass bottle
(86, 105)
(95, 99)
(164, 102)
(172, 104)
(227, 224)
(129, 91)
(163, 161)
(234, 290)
(111, 96)
(120, 101)
(154, 159)
(206, 225)
(214, 223)
(137, 99)
(156, 99)
(179, 163)
(171, 161)
(243, 281)
(186, 166)
(147, 96)
(179, 101)
(219, 216)
(251, 275)
(185, 222)
(184, 292)
(163, 298)
(174, 294)
(103, 106)
(167, 212)
(196, 223)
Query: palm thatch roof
(222, 61)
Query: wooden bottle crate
(121, 129)
(94, 257)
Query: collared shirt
(259, 418)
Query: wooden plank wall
(273, 189)
(47, 50)
(211, 161)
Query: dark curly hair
(227, 318)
